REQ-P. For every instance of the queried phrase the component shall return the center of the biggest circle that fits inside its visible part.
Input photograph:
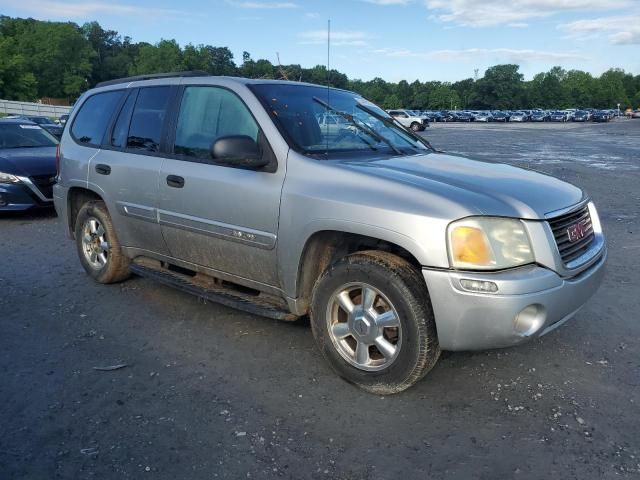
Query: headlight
(488, 243)
(8, 178)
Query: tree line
(62, 60)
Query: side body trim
(234, 233)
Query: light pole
(618, 110)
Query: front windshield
(20, 135)
(318, 121)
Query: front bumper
(22, 196)
(530, 296)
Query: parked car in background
(27, 165)
(500, 116)
(635, 114)
(460, 116)
(600, 116)
(332, 124)
(48, 124)
(445, 116)
(540, 116)
(519, 117)
(581, 116)
(226, 188)
(484, 117)
(559, 116)
(429, 115)
(409, 119)
(63, 119)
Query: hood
(28, 162)
(484, 188)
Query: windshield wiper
(392, 122)
(363, 128)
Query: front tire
(415, 126)
(372, 319)
(98, 246)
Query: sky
(444, 40)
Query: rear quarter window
(145, 129)
(91, 122)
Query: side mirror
(239, 151)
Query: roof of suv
(197, 73)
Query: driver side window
(207, 114)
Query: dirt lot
(212, 393)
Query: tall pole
(328, 52)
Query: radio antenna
(328, 81)
(283, 73)
(328, 54)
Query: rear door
(127, 168)
(213, 215)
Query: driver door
(217, 216)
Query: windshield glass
(20, 135)
(316, 121)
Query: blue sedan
(27, 165)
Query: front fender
(291, 248)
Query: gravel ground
(209, 392)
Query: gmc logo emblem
(576, 232)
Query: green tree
(501, 87)
(164, 56)
(443, 97)
(57, 54)
(465, 90)
(579, 87)
(62, 60)
(610, 90)
(16, 81)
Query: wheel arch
(76, 197)
(324, 247)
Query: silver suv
(231, 189)
(410, 119)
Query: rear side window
(95, 113)
(206, 114)
(145, 131)
(121, 127)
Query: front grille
(570, 250)
(44, 183)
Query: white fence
(9, 107)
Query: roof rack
(151, 76)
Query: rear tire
(415, 126)
(388, 342)
(98, 246)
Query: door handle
(103, 169)
(175, 181)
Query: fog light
(529, 320)
(479, 286)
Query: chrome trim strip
(27, 181)
(563, 211)
(234, 233)
(141, 212)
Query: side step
(254, 304)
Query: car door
(127, 168)
(221, 217)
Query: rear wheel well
(76, 198)
(326, 247)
